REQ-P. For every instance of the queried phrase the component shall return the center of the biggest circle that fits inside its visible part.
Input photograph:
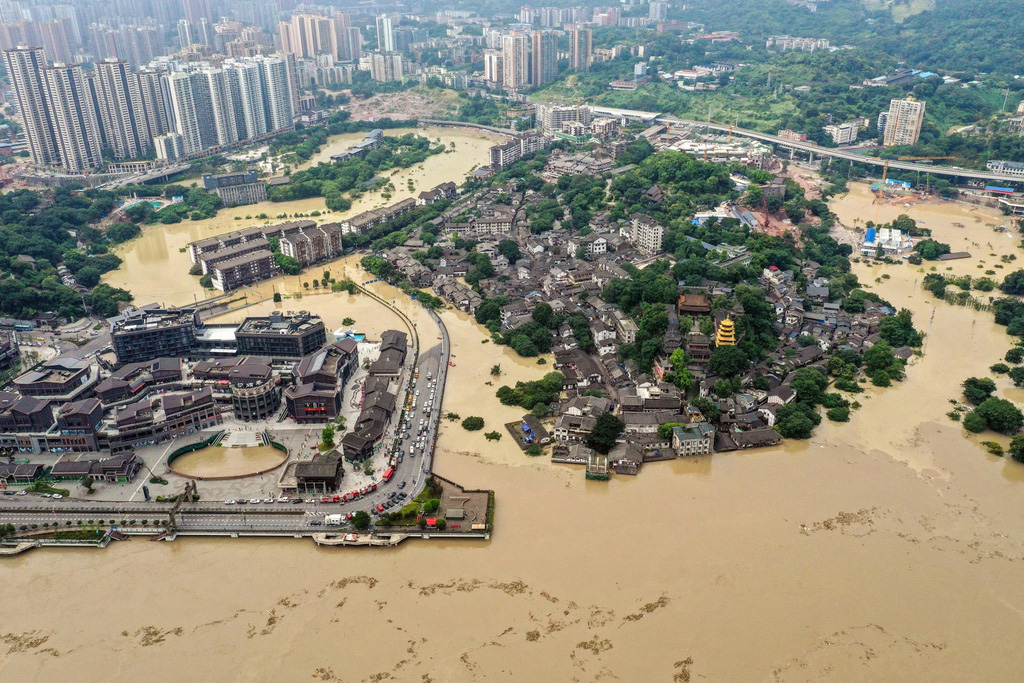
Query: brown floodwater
(222, 461)
(156, 264)
(888, 548)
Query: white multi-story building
(1014, 168)
(657, 11)
(903, 125)
(645, 234)
(550, 117)
(222, 109)
(492, 66)
(844, 133)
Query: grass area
(900, 10)
(40, 487)
(75, 535)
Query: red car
(325, 499)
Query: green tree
(543, 315)
(473, 423)
(974, 423)
(727, 361)
(931, 250)
(327, 436)
(898, 330)
(977, 389)
(1000, 415)
(1017, 448)
(361, 520)
(794, 421)
(809, 384)
(1014, 283)
(607, 429)
(495, 370)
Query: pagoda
(726, 333)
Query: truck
(388, 473)
(333, 520)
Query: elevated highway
(837, 153)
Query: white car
(57, 495)
(230, 502)
(254, 501)
(268, 501)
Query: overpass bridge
(837, 153)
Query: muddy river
(888, 548)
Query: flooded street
(219, 461)
(156, 264)
(888, 548)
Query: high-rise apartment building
(582, 52)
(543, 57)
(278, 89)
(385, 33)
(310, 35)
(75, 126)
(348, 38)
(122, 115)
(515, 57)
(196, 10)
(183, 111)
(386, 67)
(657, 11)
(55, 40)
(25, 67)
(247, 97)
(153, 102)
(903, 125)
(492, 67)
(222, 109)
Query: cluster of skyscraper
(531, 59)
(308, 36)
(71, 117)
